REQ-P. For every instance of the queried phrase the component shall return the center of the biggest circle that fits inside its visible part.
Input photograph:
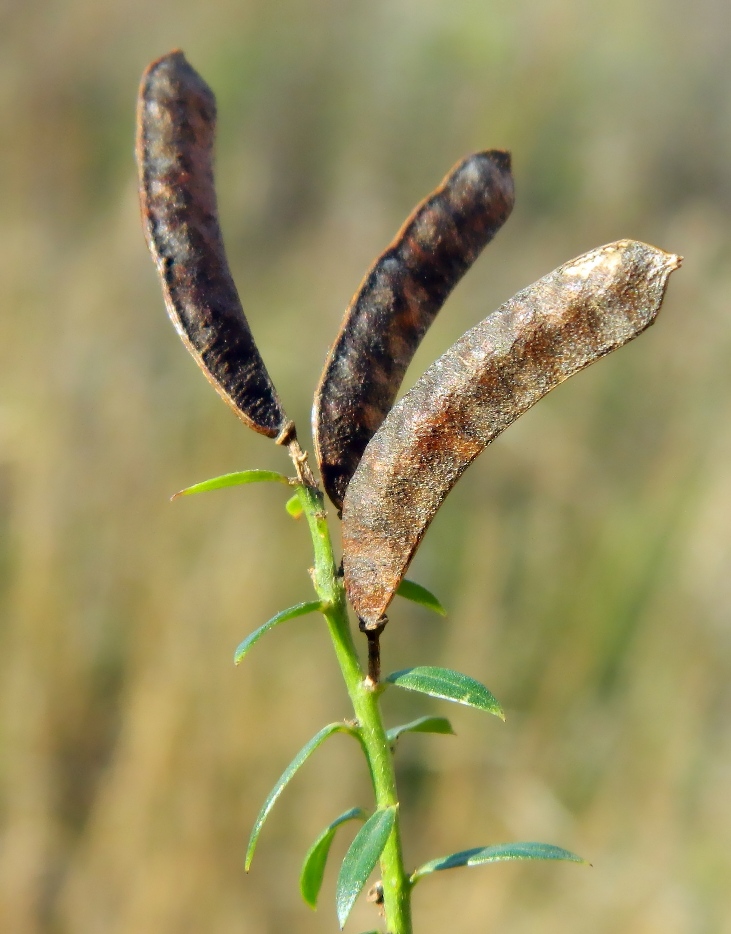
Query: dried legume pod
(495, 372)
(176, 117)
(395, 304)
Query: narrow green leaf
(300, 609)
(234, 479)
(294, 506)
(313, 868)
(501, 853)
(418, 594)
(286, 777)
(422, 725)
(361, 858)
(447, 684)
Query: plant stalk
(364, 695)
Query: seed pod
(495, 372)
(397, 301)
(176, 117)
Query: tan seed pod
(491, 375)
(176, 118)
(397, 301)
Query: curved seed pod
(176, 117)
(395, 304)
(494, 373)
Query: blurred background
(584, 559)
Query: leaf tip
(308, 899)
(294, 507)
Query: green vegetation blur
(585, 559)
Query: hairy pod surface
(491, 375)
(397, 301)
(176, 118)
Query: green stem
(364, 696)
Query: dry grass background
(584, 559)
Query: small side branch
(373, 635)
(287, 437)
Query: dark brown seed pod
(395, 304)
(176, 118)
(495, 372)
